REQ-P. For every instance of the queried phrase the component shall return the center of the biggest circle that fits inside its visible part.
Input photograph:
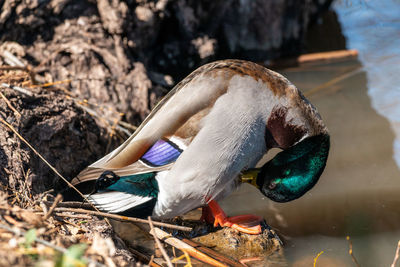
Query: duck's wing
(133, 190)
(132, 195)
(159, 157)
(176, 117)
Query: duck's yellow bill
(250, 177)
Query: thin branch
(151, 260)
(128, 125)
(48, 244)
(10, 105)
(43, 85)
(17, 88)
(123, 218)
(144, 258)
(333, 81)
(9, 68)
(179, 244)
(76, 216)
(12, 60)
(213, 253)
(71, 204)
(160, 246)
(57, 200)
(351, 252)
(396, 257)
(247, 260)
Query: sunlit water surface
(359, 193)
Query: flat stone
(239, 245)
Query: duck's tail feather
(123, 203)
(130, 195)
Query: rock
(238, 245)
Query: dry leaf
(31, 218)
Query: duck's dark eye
(272, 185)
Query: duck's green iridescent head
(294, 171)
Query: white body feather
(116, 202)
(232, 138)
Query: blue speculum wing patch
(161, 153)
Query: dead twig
(247, 260)
(44, 207)
(17, 88)
(19, 232)
(9, 68)
(151, 260)
(328, 56)
(12, 60)
(43, 85)
(123, 218)
(76, 216)
(160, 246)
(144, 258)
(333, 81)
(351, 252)
(12, 221)
(57, 200)
(70, 223)
(315, 58)
(214, 254)
(396, 256)
(71, 204)
(10, 105)
(110, 136)
(128, 125)
(179, 244)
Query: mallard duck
(204, 138)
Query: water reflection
(358, 194)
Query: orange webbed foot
(249, 224)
